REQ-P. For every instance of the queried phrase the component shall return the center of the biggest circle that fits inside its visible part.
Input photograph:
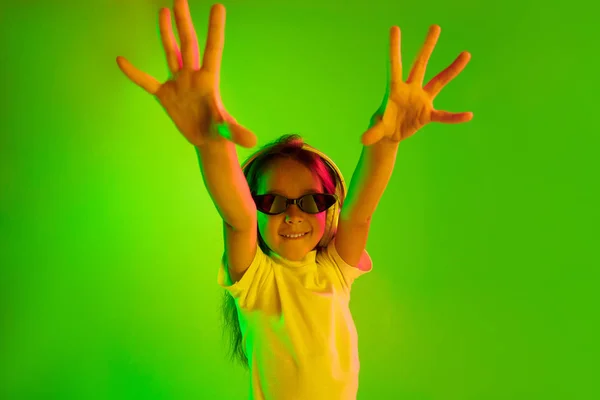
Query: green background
(484, 245)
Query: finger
(187, 35)
(395, 55)
(227, 127)
(446, 117)
(436, 84)
(142, 79)
(168, 40)
(417, 73)
(373, 134)
(215, 40)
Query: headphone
(331, 218)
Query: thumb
(241, 135)
(237, 133)
(373, 134)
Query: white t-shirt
(298, 332)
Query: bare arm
(226, 183)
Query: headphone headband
(305, 146)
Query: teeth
(294, 236)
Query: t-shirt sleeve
(346, 272)
(247, 288)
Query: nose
(293, 214)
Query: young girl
(290, 319)
(287, 269)
(287, 288)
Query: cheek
(268, 227)
(319, 222)
(322, 218)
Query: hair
(286, 147)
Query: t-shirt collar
(308, 259)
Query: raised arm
(191, 98)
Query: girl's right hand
(191, 97)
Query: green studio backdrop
(484, 274)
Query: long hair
(290, 147)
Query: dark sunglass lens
(270, 203)
(308, 204)
(264, 202)
(324, 201)
(316, 203)
(279, 204)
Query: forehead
(289, 177)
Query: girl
(287, 288)
(288, 315)
(291, 252)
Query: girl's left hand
(407, 106)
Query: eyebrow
(308, 191)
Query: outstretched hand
(191, 96)
(407, 106)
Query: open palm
(408, 106)
(191, 96)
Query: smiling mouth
(295, 238)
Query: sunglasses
(273, 204)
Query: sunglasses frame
(290, 202)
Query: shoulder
(331, 256)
